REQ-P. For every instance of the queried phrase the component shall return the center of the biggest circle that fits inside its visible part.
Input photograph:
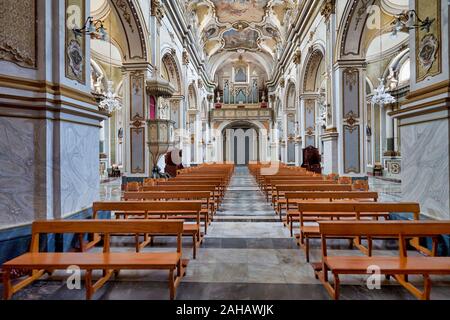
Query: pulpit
(312, 160)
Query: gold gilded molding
(46, 87)
(18, 42)
(428, 92)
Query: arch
(352, 28)
(313, 60)
(192, 97)
(291, 99)
(173, 70)
(134, 28)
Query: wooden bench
(397, 266)
(156, 210)
(292, 200)
(110, 262)
(207, 212)
(281, 190)
(354, 211)
(190, 188)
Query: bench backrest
(106, 227)
(210, 188)
(361, 207)
(148, 206)
(317, 187)
(333, 195)
(193, 195)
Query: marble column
(49, 121)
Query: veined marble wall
(30, 179)
(425, 177)
(23, 169)
(79, 167)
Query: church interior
(224, 150)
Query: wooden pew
(292, 200)
(220, 186)
(280, 190)
(190, 188)
(157, 210)
(398, 266)
(207, 212)
(109, 262)
(353, 211)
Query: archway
(241, 142)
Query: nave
(247, 255)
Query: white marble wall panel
(425, 175)
(79, 167)
(22, 171)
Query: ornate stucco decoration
(297, 57)
(186, 59)
(328, 8)
(351, 121)
(18, 32)
(427, 51)
(157, 9)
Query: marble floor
(247, 254)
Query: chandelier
(381, 96)
(111, 102)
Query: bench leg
(336, 286)
(194, 244)
(7, 288)
(171, 284)
(307, 249)
(426, 287)
(88, 285)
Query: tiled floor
(247, 254)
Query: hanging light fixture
(409, 20)
(94, 29)
(111, 102)
(382, 96)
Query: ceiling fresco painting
(259, 26)
(245, 39)
(231, 11)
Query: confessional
(171, 167)
(312, 159)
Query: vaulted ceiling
(252, 26)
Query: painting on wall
(428, 44)
(231, 11)
(245, 39)
(75, 45)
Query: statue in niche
(393, 79)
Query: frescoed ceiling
(258, 26)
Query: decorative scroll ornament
(427, 51)
(75, 55)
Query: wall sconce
(409, 20)
(94, 29)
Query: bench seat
(388, 265)
(93, 261)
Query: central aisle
(248, 254)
